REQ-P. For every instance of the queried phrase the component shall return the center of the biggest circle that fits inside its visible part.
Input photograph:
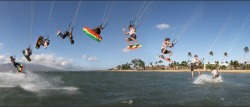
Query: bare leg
(60, 34)
(135, 41)
(170, 54)
(192, 74)
(70, 35)
(199, 71)
(162, 56)
(128, 41)
(163, 51)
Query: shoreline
(226, 71)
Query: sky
(199, 26)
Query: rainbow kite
(92, 34)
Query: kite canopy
(92, 34)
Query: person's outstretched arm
(126, 33)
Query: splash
(127, 102)
(32, 82)
(205, 78)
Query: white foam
(32, 82)
(204, 78)
(38, 88)
(127, 101)
(66, 88)
(6, 86)
(11, 79)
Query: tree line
(139, 64)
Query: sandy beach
(228, 71)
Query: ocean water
(123, 89)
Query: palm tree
(231, 64)
(189, 54)
(236, 64)
(174, 64)
(211, 53)
(225, 55)
(119, 67)
(151, 63)
(126, 66)
(216, 64)
(160, 61)
(246, 50)
(141, 64)
(134, 62)
(138, 64)
(156, 63)
(245, 64)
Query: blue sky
(196, 23)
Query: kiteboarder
(132, 33)
(68, 33)
(41, 41)
(16, 65)
(27, 52)
(99, 28)
(195, 64)
(215, 73)
(45, 43)
(166, 44)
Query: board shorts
(217, 75)
(132, 36)
(193, 66)
(166, 52)
(16, 64)
(97, 30)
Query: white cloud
(162, 26)
(4, 59)
(84, 56)
(50, 60)
(92, 58)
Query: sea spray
(10, 79)
(205, 78)
(127, 101)
(33, 82)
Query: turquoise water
(123, 89)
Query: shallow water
(122, 89)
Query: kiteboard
(92, 34)
(20, 68)
(167, 59)
(39, 41)
(134, 46)
(59, 33)
(28, 58)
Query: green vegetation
(138, 64)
